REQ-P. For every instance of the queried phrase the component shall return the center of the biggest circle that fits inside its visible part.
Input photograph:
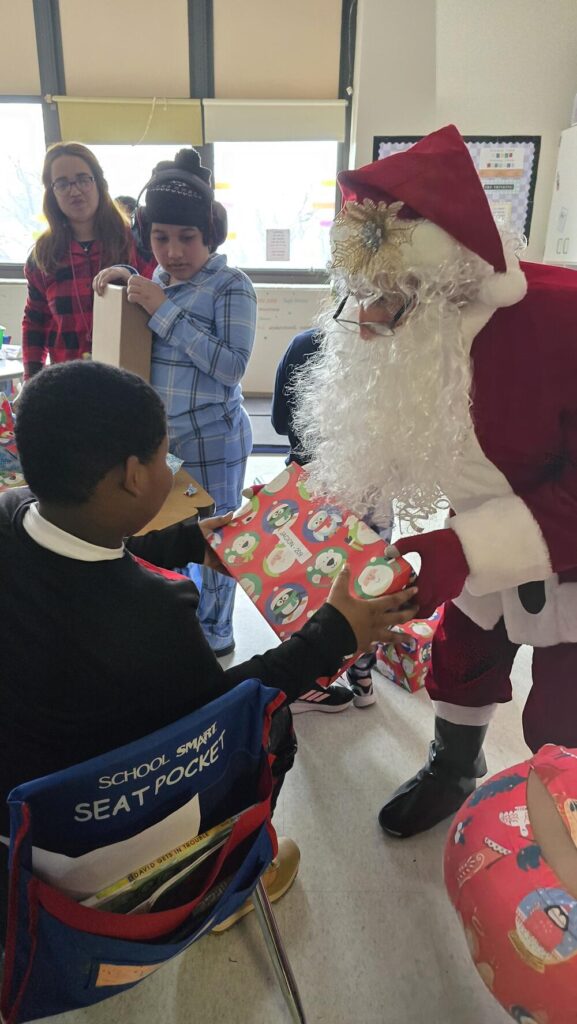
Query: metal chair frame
(277, 952)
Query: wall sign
(507, 166)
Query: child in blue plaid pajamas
(203, 316)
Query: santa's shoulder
(544, 279)
(542, 324)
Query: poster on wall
(507, 166)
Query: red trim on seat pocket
(10, 1014)
(273, 705)
(146, 926)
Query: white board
(283, 311)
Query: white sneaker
(360, 681)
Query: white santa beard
(385, 419)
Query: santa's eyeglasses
(382, 328)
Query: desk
(179, 506)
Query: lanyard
(87, 328)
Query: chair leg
(277, 953)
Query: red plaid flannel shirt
(58, 313)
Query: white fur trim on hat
(503, 289)
(429, 246)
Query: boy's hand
(144, 292)
(371, 620)
(112, 275)
(207, 527)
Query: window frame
(201, 61)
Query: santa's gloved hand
(444, 567)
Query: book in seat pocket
(140, 890)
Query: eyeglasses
(82, 181)
(382, 328)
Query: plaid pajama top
(58, 312)
(203, 338)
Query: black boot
(455, 762)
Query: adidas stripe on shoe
(336, 697)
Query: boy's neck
(80, 521)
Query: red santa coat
(516, 501)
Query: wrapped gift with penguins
(286, 548)
(407, 664)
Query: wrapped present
(11, 478)
(10, 470)
(407, 664)
(7, 436)
(285, 548)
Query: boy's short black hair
(76, 421)
(128, 202)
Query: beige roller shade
(274, 49)
(131, 121)
(274, 120)
(19, 73)
(132, 48)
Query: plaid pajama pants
(219, 463)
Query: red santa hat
(435, 180)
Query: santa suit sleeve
(531, 533)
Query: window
(128, 168)
(263, 185)
(286, 186)
(23, 148)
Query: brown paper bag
(120, 332)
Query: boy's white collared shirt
(49, 536)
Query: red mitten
(444, 567)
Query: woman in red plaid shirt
(86, 231)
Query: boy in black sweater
(98, 648)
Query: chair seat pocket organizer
(119, 863)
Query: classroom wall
(12, 299)
(488, 66)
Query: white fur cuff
(503, 545)
(459, 715)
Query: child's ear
(133, 479)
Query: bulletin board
(507, 166)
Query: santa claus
(447, 378)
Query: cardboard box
(286, 548)
(407, 665)
(120, 332)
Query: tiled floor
(368, 927)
